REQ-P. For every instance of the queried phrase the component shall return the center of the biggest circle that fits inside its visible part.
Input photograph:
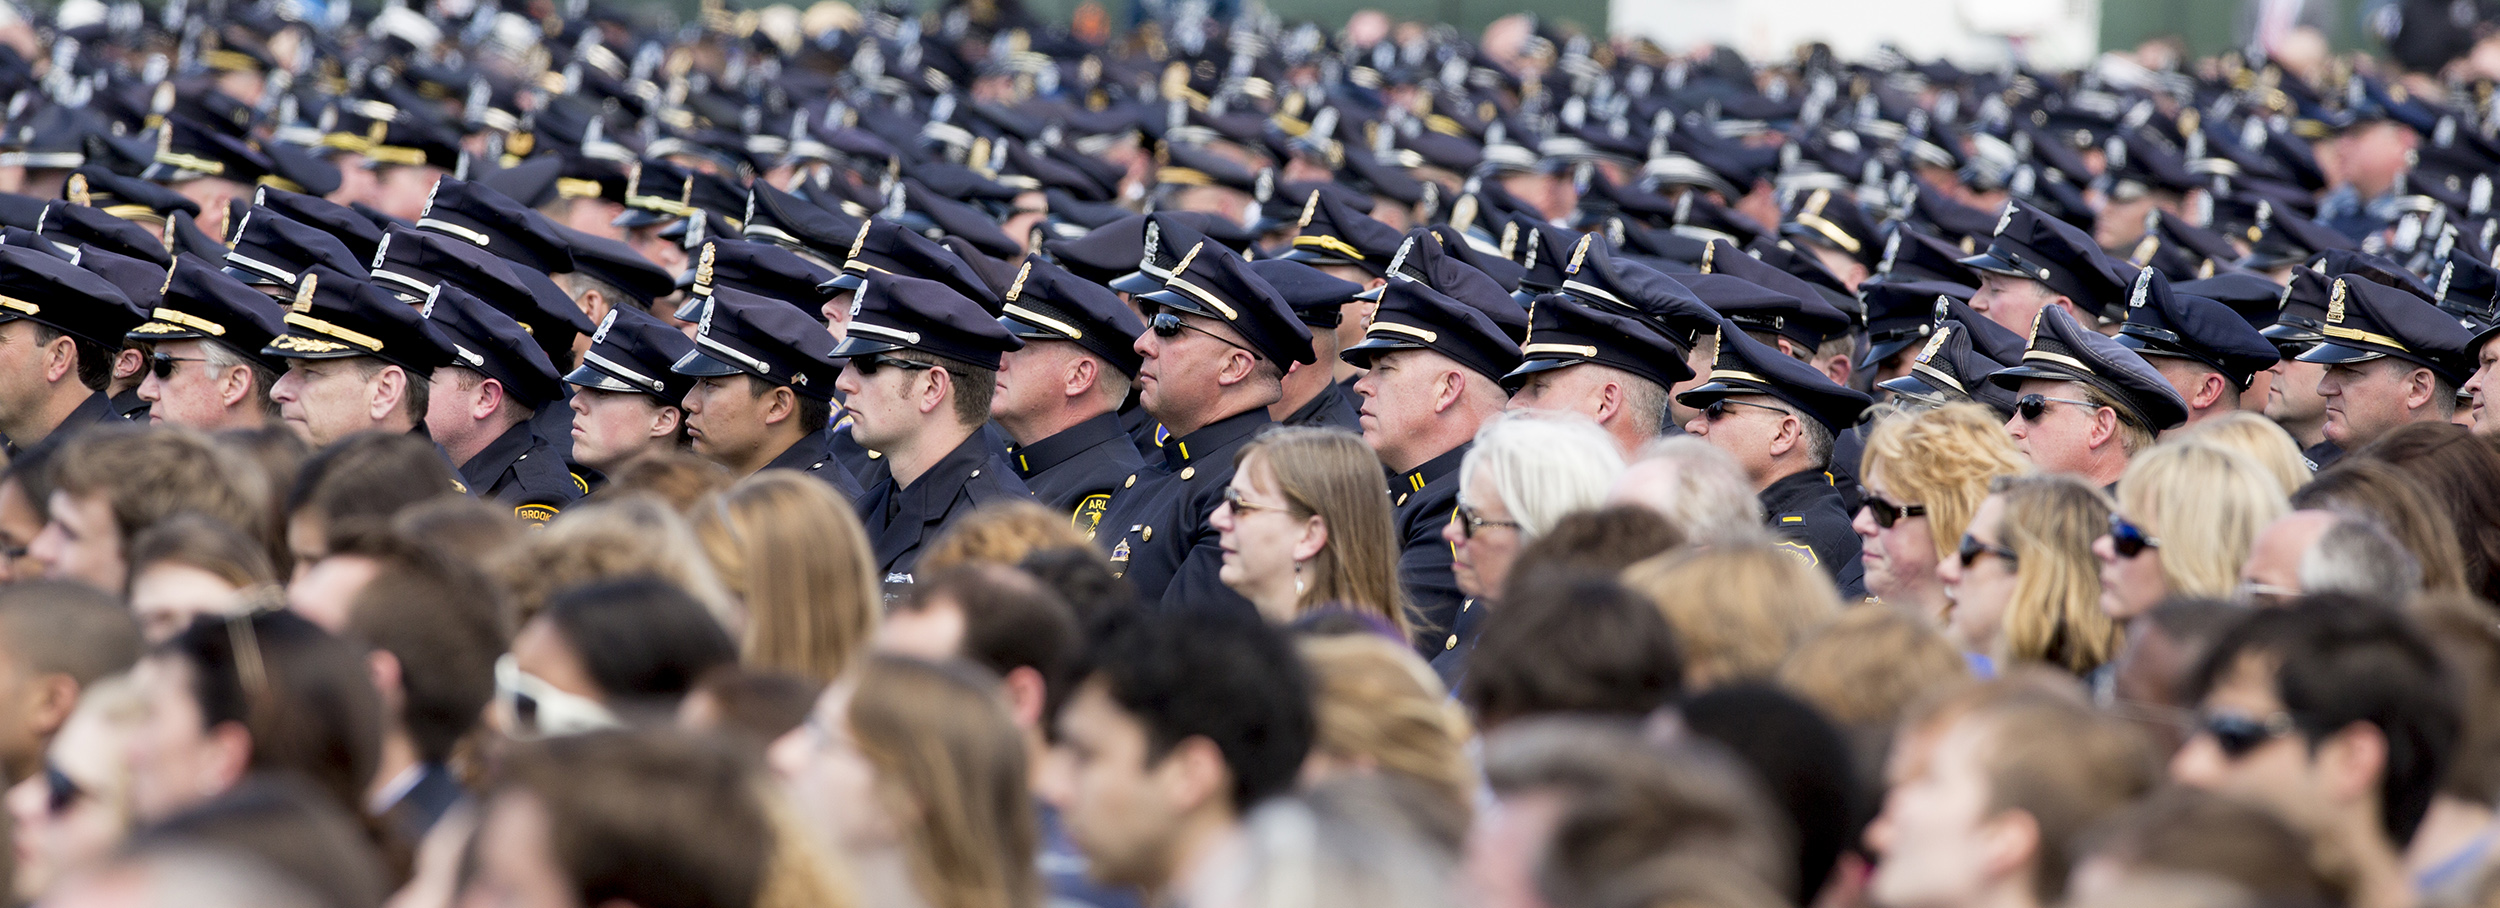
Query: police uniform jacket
(1425, 497)
(95, 410)
(1804, 509)
(1157, 526)
(1332, 408)
(814, 456)
(521, 470)
(902, 520)
(1076, 470)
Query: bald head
(2275, 560)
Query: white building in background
(2051, 34)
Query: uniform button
(976, 474)
(1147, 534)
(1453, 644)
(1187, 472)
(1132, 480)
(1401, 501)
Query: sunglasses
(1886, 513)
(1241, 504)
(533, 708)
(60, 791)
(2237, 735)
(1717, 410)
(2128, 539)
(870, 365)
(1168, 324)
(163, 363)
(2030, 406)
(1972, 548)
(1470, 520)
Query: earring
(1300, 586)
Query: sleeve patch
(537, 514)
(1803, 552)
(1088, 514)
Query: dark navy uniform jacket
(812, 455)
(2322, 455)
(520, 469)
(1333, 408)
(554, 424)
(96, 410)
(1805, 509)
(1157, 527)
(901, 521)
(1424, 497)
(1451, 662)
(128, 406)
(1143, 431)
(1076, 471)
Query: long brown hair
(950, 766)
(2055, 614)
(791, 550)
(1332, 474)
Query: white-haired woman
(1524, 472)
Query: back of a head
(795, 554)
(370, 476)
(2355, 555)
(289, 826)
(468, 529)
(146, 475)
(1699, 489)
(679, 478)
(1224, 676)
(1345, 843)
(2190, 831)
(1941, 459)
(1604, 540)
(942, 742)
(206, 543)
(1867, 666)
(2459, 468)
(643, 641)
(1578, 643)
(1080, 576)
(1802, 760)
(1000, 533)
(615, 537)
(653, 819)
(2400, 504)
(1010, 621)
(2207, 502)
(2462, 629)
(442, 621)
(67, 628)
(1379, 705)
(2343, 661)
(1542, 465)
(306, 697)
(1736, 608)
(2050, 755)
(2263, 441)
(185, 877)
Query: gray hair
(222, 357)
(1542, 465)
(2357, 555)
(1696, 486)
(1349, 843)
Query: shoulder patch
(579, 482)
(1803, 552)
(536, 514)
(1088, 514)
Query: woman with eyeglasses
(1305, 526)
(1524, 471)
(1924, 473)
(2023, 585)
(2188, 514)
(77, 810)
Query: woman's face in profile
(1483, 538)
(74, 812)
(1979, 586)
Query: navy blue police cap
(1747, 366)
(487, 341)
(895, 312)
(335, 315)
(2061, 350)
(1413, 316)
(1211, 281)
(1565, 331)
(1048, 302)
(203, 302)
(774, 340)
(631, 352)
(2161, 322)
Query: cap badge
(1814, 203)
(605, 323)
(1579, 254)
(703, 326)
(77, 192)
(1310, 209)
(2335, 304)
(1397, 263)
(1892, 249)
(1709, 258)
(1510, 240)
(1186, 259)
(2143, 284)
(2004, 219)
(304, 293)
(2446, 271)
(428, 210)
(1934, 344)
(861, 241)
(703, 269)
(1017, 289)
(2033, 339)
(431, 297)
(1154, 239)
(1944, 307)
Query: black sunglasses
(1972, 548)
(1886, 513)
(2237, 735)
(1470, 520)
(2128, 539)
(1167, 324)
(1717, 410)
(162, 363)
(2030, 406)
(60, 791)
(870, 365)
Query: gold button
(1187, 472)
(1146, 535)
(1132, 480)
(1401, 501)
(1453, 644)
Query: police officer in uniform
(84, 309)
(1215, 350)
(1777, 416)
(921, 365)
(1313, 399)
(2091, 401)
(2392, 358)
(483, 402)
(1950, 368)
(2036, 261)
(1059, 397)
(627, 403)
(2207, 352)
(1433, 371)
(763, 396)
(334, 319)
(203, 307)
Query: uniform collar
(498, 456)
(1797, 486)
(1432, 471)
(1215, 439)
(944, 479)
(95, 409)
(1327, 397)
(804, 453)
(1033, 459)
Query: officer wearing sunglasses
(1777, 416)
(205, 308)
(2085, 403)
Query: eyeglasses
(1168, 324)
(1241, 504)
(2030, 406)
(2237, 735)
(870, 365)
(162, 363)
(60, 791)
(2128, 539)
(1972, 548)
(1717, 410)
(1886, 513)
(1470, 520)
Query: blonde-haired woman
(1382, 710)
(2263, 441)
(1924, 474)
(2188, 514)
(795, 556)
(1737, 608)
(2023, 582)
(1306, 525)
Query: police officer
(1312, 395)
(1951, 368)
(2035, 261)
(1058, 398)
(1603, 363)
(1777, 417)
(2392, 358)
(763, 395)
(70, 321)
(922, 365)
(2292, 399)
(1900, 316)
(607, 275)
(627, 403)
(1349, 246)
(1433, 371)
(2207, 352)
(1215, 350)
(270, 250)
(206, 370)
(2084, 404)
(358, 360)
(481, 404)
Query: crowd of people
(525, 457)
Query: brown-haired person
(2185, 831)
(1923, 475)
(2391, 497)
(190, 565)
(1383, 713)
(801, 567)
(1990, 790)
(61, 329)
(1572, 643)
(1305, 528)
(56, 640)
(1002, 533)
(108, 487)
(1737, 609)
(361, 481)
(916, 773)
(267, 692)
(606, 655)
(2458, 469)
(2453, 850)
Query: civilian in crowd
(606, 655)
(1304, 530)
(2459, 470)
(1736, 609)
(72, 815)
(108, 487)
(1522, 474)
(1696, 486)
(2181, 831)
(57, 639)
(798, 564)
(1922, 476)
(1383, 713)
(259, 693)
(190, 565)
(1000, 533)
(2398, 503)
(618, 536)
(2188, 514)
(2024, 585)
(2263, 440)
(1573, 643)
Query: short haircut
(649, 818)
(1572, 643)
(1082, 579)
(443, 620)
(2458, 468)
(204, 543)
(2345, 660)
(417, 394)
(221, 357)
(644, 642)
(973, 385)
(812, 415)
(1011, 621)
(507, 407)
(290, 826)
(1001, 532)
(2461, 627)
(2399, 503)
(2067, 766)
(95, 361)
(1542, 466)
(1709, 498)
(1601, 541)
(1818, 439)
(148, 474)
(1644, 403)
(67, 628)
(1225, 676)
(370, 476)
(2187, 830)
(1803, 760)
(2133, 435)
(2355, 555)
(32, 471)
(306, 697)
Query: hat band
(1737, 375)
(349, 335)
(11, 302)
(422, 288)
(706, 342)
(1182, 284)
(260, 266)
(393, 154)
(188, 320)
(572, 188)
(1829, 230)
(1183, 176)
(447, 227)
(1045, 321)
(134, 213)
(230, 61)
(2365, 337)
(275, 181)
(769, 232)
(613, 368)
(1583, 351)
(349, 142)
(2058, 359)
(1331, 244)
(1939, 377)
(908, 337)
(1591, 290)
(661, 205)
(191, 162)
(1427, 336)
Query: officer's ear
(1238, 365)
(667, 421)
(1081, 377)
(594, 305)
(940, 381)
(60, 360)
(780, 404)
(389, 392)
(1791, 435)
(1448, 389)
(2104, 427)
(236, 386)
(2420, 388)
